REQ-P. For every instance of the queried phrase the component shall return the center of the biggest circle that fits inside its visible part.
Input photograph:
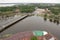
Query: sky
(27, 1)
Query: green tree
(34, 38)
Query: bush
(34, 38)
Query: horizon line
(28, 3)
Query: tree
(34, 38)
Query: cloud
(29, 1)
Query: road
(34, 23)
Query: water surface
(34, 23)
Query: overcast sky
(27, 1)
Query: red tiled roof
(27, 36)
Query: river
(34, 23)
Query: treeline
(26, 9)
(30, 8)
(5, 9)
(55, 10)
